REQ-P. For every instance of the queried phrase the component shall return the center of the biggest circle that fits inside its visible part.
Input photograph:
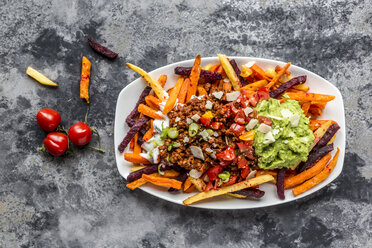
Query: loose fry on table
(202, 91)
(183, 91)
(84, 79)
(318, 178)
(148, 135)
(308, 97)
(155, 85)
(228, 189)
(135, 158)
(162, 80)
(153, 102)
(259, 73)
(101, 49)
(194, 78)
(160, 181)
(301, 87)
(255, 86)
(229, 70)
(277, 76)
(149, 112)
(307, 174)
(173, 96)
(39, 77)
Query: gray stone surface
(81, 200)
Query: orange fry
(255, 86)
(187, 184)
(214, 68)
(148, 135)
(318, 178)
(315, 110)
(146, 110)
(135, 184)
(309, 97)
(227, 86)
(259, 73)
(170, 173)
(160, 181)
(162, 80)
(137, 148)
(135, 158)
(183, 91)
(173, 96)
(194, 78)
(84, 79)
(305, 107)
(153, 102)
(278, 68)
(202, 91)
(278, 76)
(320, 105)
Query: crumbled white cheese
(226, 80)
(195, 117)
(291, 134)
(275, 117)
(268, 138)
(197, 152)
(208, 150)
(218, 94)
(189, 121)
(177, 119)
(247, 111)
(215, 134)
(146, 156)
(205, 135)
(155, 155)
(294, 119)
(162, 105)
(286, 113)
(209, 105)
(214, 145)
(159, 125)
(250, 63)
(306, 139)
(195, 174)
(252, 123)
(251, 174)
(263, 128)
(232, 96)
(276, 131)
(213, 155)
(186, 139)
(285, 141)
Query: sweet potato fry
(226, 86)
(229, 70)
(135, 184)
(305, 107)
(315, 124)
(255, 86)
(307, 174)
(135, 158)
(137, 148)
(308, 97)
(279, 68)
(228, 189)
(162, 181)
(315, 110)
(279, 75)
(318, 178)
(149, 112)
(183, 91)
(84, 79)
(155, 85)
(301, 87)
(170, 173)
(259, 73)
(194, 78)
(153, 102)
(148, 135)
(39, 77)
(190, 189)
(173, 96)
(320, 105)
(214, 68)
(162, 80)
(187, 184)
(202, 91)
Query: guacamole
(288, 141)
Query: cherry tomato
(240, 117)
(237, 129)
(227, 155)
(213, 172)
(80, 134)
(56, 143)
(265, 120)
(48, 119)
(209, 186)
(205, 121)
(245, 172)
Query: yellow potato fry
(255, 86)
(232, 188)
(39, 77)
(301, 87)
(199, 183)
(320, 132)
(155, 85)
(137, 167)
(229, 70)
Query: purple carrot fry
(287, 85)
(131, 118)
(314, 157)
(141, 133)
(104, 51)
(327, 136)
(237, 71)
(182, 178)
(280, 183)
(251, 192)
(135, 175)
(132, 131)
(185, 71)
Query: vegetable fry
(138, 174)
(162, 80)
(226, 87)
(228, 189)
(318, 178)
(134, 129)
(278, 76)
(315, 110)
(259, 73)
(206, 74)
(137, 148)
(183, 91)
(84, 79)
(155, 85)
(318, 134)
(327, 136)
(249, 192)
(153, 102)
(131, 118)
(229, 70)
(255, 86)
(135, 158)
(148, 135)
(202, 91)
(308, 97)
(301, 87)
(170, 173)
(137, 167)
(305, 107)
(160, 181)
(39, 77)
(314, 157)
(247, 136)
(187, 184)
(199, 183)
(287, 85)
(307, 174)
(173, 96)
(101, 49)
(237, 71)
(149, 112)
(135, 184)
(194, 78)
(280, 183)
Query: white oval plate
(334, 111)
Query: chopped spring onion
(160, 171)
(164, 134)
(193, 129)
(172, 133)
(225, 176)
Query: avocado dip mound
(287, 142)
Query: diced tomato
(231, 181)
(227, 155)
(249, 154)
(265, 120)
(243, 147)
(225, 163)
(216, 125)
(237, 129)
(263, 93)
(245, 172)
(263, 89)
(253, 114)
(234, 110)
(240, 117)
(205, 121)
(209, 186)
(242, 162)
(213, 172)
(253, 101)
(228, 111)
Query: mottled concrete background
(80, 200)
